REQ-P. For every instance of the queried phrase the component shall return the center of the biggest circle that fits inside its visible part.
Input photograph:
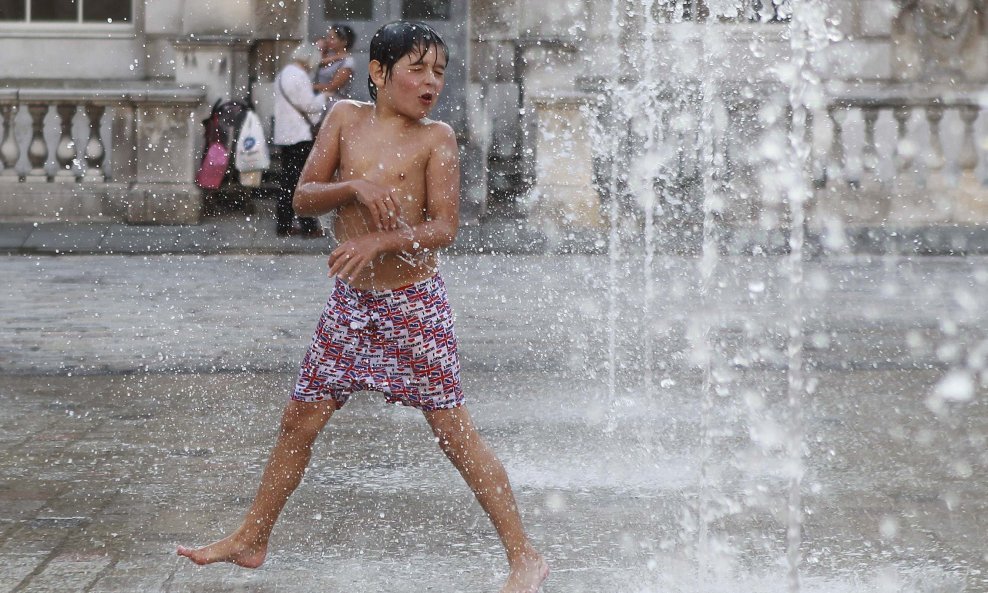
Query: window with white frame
(66, 11)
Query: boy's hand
(350, 257)
(383, 207)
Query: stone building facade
(687, 108)
(564, 108)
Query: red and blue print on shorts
(399, 342)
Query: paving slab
(64, 237)
(139, 396)
(13, 235)
(218, 237)
(254, 232)
(381, 508)
(139, 239)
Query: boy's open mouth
(427, 97)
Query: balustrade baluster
(65, 153)
(95, 151)
(37, 150)
(10, 151)
(971, 202)
(836, 165)
(869, 153)
(968, 157)
(934, 115)
(905, 150)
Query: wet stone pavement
(139, 396)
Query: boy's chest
(383, 161)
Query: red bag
(213, 168)
(215, 162)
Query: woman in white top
(297, 108)
(336, 68)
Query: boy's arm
(442, 181)
(317, 193)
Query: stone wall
(922, 61)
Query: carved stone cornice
(947, 19)
(940, 40)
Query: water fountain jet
(641, 103)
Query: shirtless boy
(392, 177)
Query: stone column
(564, 196)
(164, 131)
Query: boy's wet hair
(398, 39)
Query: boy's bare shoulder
(353, 105)
(439, 128)
(441, 135)
(348, 111)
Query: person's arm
(342, 78)
(438, 230)
(327, 60)
(319, 193)
(299, 88)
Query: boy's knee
(453, 430)
(306, 419)
(455, 441)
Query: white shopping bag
(252, 148)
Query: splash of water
(808, 33)
(642, 109)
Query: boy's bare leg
(485, 475)
(247, 546)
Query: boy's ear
(376, 71)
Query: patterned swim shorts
(399, 342)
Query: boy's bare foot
(230, 549)
(527, 574)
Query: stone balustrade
(764, 11)
(897, 156)
(112, 150)
(905, 154)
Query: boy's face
(415, 83)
